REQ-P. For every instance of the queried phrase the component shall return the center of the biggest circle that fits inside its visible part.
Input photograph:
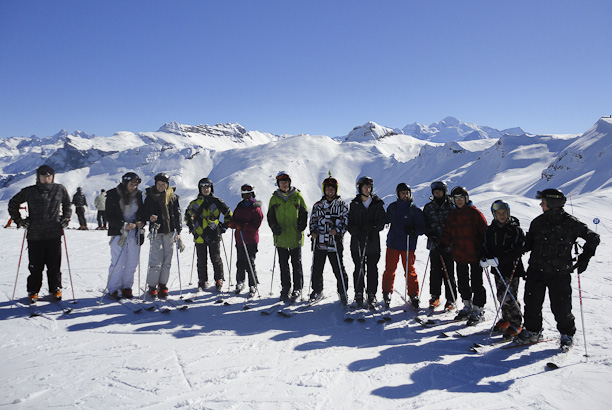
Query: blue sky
(289, 67)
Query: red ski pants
(391, 260)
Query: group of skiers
(80, 204)
(458, 239)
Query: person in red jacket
(246, 221)
(464, 233)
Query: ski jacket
(550, 240)
(435, 213)
(202, 218)
(48, 205)
(289, 213)
(123, 208)
(326, 216)
(404, 217)
(169, 218)
(79, 200)
(505, 242)
(366, 223)
(246, 220)
(100, 202)
(464, 232)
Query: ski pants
(510, 311)
(242, 263)
(437, 275)
(40, 253)
(295, 254)
(469, 276)
(214, 250)
(560, 296)
(392, 257)
(124, 260)
(369, 269)
(80, 211)
(160, 258)
(101, 219)
(335, 259)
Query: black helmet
(283, 176)
(460, 191)
(79, 189)
(130, 176)
(329, 181)
(45, 170)
(163, 177)
(364, 180)
(499, 204)
(402, 186)
(247, 189)
(554, 197)
(206, 182)
(439, 185)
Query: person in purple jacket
(407, 223)
(245, 221)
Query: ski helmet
(498, 205)
(439, 185)
(247, 189)
(402, 186)
(206, 182)
(329, 181)
(283, 176)
(460, 191)
(45, 170)
(163, 177)
(130, 176)
(364, 180)
(554, 197)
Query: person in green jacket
(288, 217)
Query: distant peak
(450, 121)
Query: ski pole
(192, 263)
(491, 286)
(362, 256)
(501, 304)
(424, 273)
(178, 264)
(68, 263)
(139, 244)
(273, 266)
(340, 269)
(229, 267)
(248, 258)
(582, 317)
(311, 265)
(448, 281)
(25, 231)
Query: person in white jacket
(100, 204)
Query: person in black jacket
(123, 209)
(366, 218)
(162, 210)
(49, 208)
(80, 203)
(502, 250)
(550, 239)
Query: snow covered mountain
(451, 129)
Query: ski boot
(314, 296)
(501, 326)
(567, 342)
(33, 297)
(295, 295)
(239, 287)
(284, 296)
(414, 301)
(116, 295)
(127, 293)
(465, 312)
(57, 294)
(512, 331)
(476, 316)
(252, 291)
(152, 292)
(449, 306)
(218, 285)
(372, 301)
(387, 299)
(359, 300)
(434, 302)
(163, 291)
(527, 336)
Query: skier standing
(366, 218)
(550, 239)
(80, 203)
(328, 223)
(407, 223)
(246, 221)
(124, 208)
(435, 213)
(287, 217)
(100, 204)
(464, 231)
(503, 241)
(49, 208)
(162, 210)
(202, 218)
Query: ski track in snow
(214, 356)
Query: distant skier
(100, 204)
(288, 217)
(441, 257)
(124, 209)
(202, 218)
(80, 203)
(550, 239)
(503, 244)
(407, 223)
(464, 231)
(162, 210)
(328, 224)
(50, 212)
(366, 218)
(246, 221)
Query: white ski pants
(124, 260)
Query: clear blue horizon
(291, 67)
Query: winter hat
(206, 182)
(554, 197)
(163, 177)
(45, 170)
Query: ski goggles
(246, 189)
(205, 185)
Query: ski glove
(180, 245)
(276, 230)
(583, 262)
(485, 263)
(410, 231)
(24, 223)
(64, 222)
